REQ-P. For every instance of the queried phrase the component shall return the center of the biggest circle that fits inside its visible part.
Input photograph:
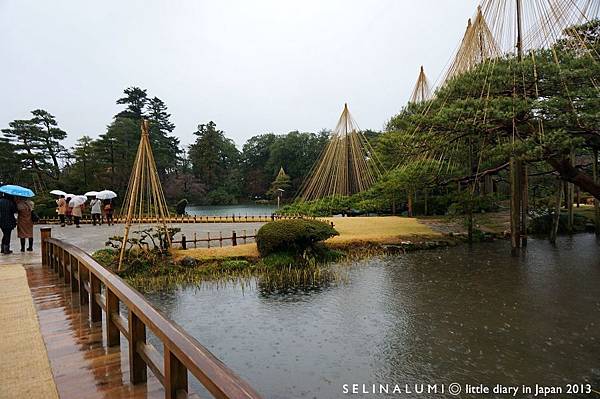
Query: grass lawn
(379, 230)
(386, 229)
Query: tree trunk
(524, 203)
(596, 201)
(573, 175)
(470, 218)
(410, 204)
(570, 199)
(426, 200)
(556, 218)
(515, 205)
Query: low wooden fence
(104, 291)
(234, 239)
(87, 219)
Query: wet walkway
(91, 238)
(47, 341)
(25, 369)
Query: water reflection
(472, 315)
(228, 210)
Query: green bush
(295, 236)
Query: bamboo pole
(144, 200)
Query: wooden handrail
(182, 352)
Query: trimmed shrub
(295, 236)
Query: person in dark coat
(8, 208)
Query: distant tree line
(212, 170)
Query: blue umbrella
(17, 191)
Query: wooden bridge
(95, 327)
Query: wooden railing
(186, 219)
(186, 242)
(104, 291)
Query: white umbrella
(106, 194)
(77, 200)
(58, 192)
(91, 193)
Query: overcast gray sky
(251, 66)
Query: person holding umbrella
(108, 211)
(8, 208)
(107, 196)
(25, 222)
(61, 209)
(69, 209)
(76, 204)
(96, 205)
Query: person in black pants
(8, 208)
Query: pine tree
(165, 148)
(38, 143)
(280, 186)
(136, 100)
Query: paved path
(25, 369)
(91, 238)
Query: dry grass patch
(381, 230)
(357, 231)
(239, 251)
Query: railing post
(95, 308)
(83, 294)
(74, 274)
(53, 263)
(45, 232)
(137, 333)
(50, 255)
(233, 239)
(175, 375)
(59, 264)
(183, 242)
(61, 256)
(112, 307)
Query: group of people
(100, 211)
(23, 208)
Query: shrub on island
(294, 236)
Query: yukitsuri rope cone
(145, 200)
(25, 369)
(478, 45)
(347, 165)
(510, 32)
(422, 91)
